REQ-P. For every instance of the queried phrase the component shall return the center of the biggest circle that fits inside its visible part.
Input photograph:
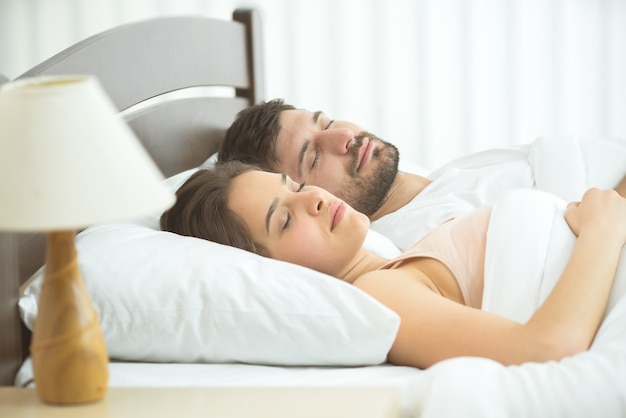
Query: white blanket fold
(567, 166)
(528, 246)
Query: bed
(171, 322)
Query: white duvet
(524, 259)
(564, 166)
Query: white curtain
(439, 78)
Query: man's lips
(365, 152)
(336, 212)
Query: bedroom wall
(439, 78)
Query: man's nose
(337, 141)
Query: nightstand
(278, 402)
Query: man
(362, 169)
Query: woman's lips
(364, 156)
(336, 213)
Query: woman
(436, 288)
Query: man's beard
(367, 194)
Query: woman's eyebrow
(270, 211)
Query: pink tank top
(460, 245)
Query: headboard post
(11, 345)
(252, 22)
(21, 255)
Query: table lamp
(66, 162)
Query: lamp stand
(70, 361)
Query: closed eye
(288, 220)
(316, 158)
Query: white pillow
(162, 297)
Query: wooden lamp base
(70, 361)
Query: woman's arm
(434, 328)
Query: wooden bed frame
(163, 75)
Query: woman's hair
(201, 209)
(251, 138)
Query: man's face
(339, 156)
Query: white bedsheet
(123, 374)
(130, 374)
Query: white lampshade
(67, 161)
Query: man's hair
(252, 136)
(201, 209)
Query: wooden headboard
(178, 82)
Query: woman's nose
(312, 199)
(336, 141)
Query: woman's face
(304, 225)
